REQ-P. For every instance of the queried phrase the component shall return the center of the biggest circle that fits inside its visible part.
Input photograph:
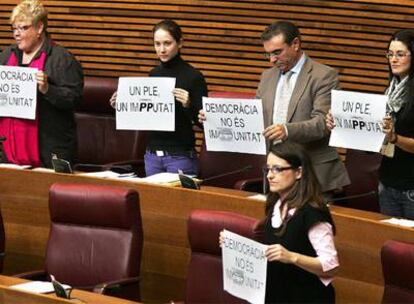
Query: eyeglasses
(275, 169)
(398, 55)
(21, 29)
(275, 53)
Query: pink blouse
(322, 240)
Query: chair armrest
(36, 275)
(251, 184)
(127, 288)
(258, 230)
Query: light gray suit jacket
(310, 101)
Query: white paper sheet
(18, 92)
(14, 166)
(400, 222)
(101, 174)
(37, 287)
(259, 197)
(244, 267)
(161, 178)
(234, 125)
(145, 103)
(358, 120)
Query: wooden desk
(11, 296)
(24, 204)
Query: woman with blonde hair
(59, 90)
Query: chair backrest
(214, 164)
(205, 275)
(397, 260)
(98, 140)
(362, 168)
(95, 234)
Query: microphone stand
(373, 192)
(190, 183)
(246, 168)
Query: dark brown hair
(306, 190)
(288, 29)
(171, 27)
(406, 37)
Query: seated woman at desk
(173, 151)
(299, 229)
(59, 90)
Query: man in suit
(298, 114)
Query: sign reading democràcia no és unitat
(358, 120)
(145, 103)
(18, 92)
(234, 125)
(244, 267)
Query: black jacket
(55, 109)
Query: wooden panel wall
(113, 37)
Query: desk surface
(11, 296)
(165, 210)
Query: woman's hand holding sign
(182, 96)
(388, 129)
(112, 101)
(201, 116)
(279, 253)
(41, 78)
(221, 238)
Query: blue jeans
(170, 163)
(397, 203)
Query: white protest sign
(18, 92)
(234, 125)
(244, 267)
(358, 120)
(145, 103)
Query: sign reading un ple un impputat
(244, 267)
(358, 120)
(234, 125)
(18, 92)
(145, 103)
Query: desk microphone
(350, 197)
(189, 183)
(244, 169)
